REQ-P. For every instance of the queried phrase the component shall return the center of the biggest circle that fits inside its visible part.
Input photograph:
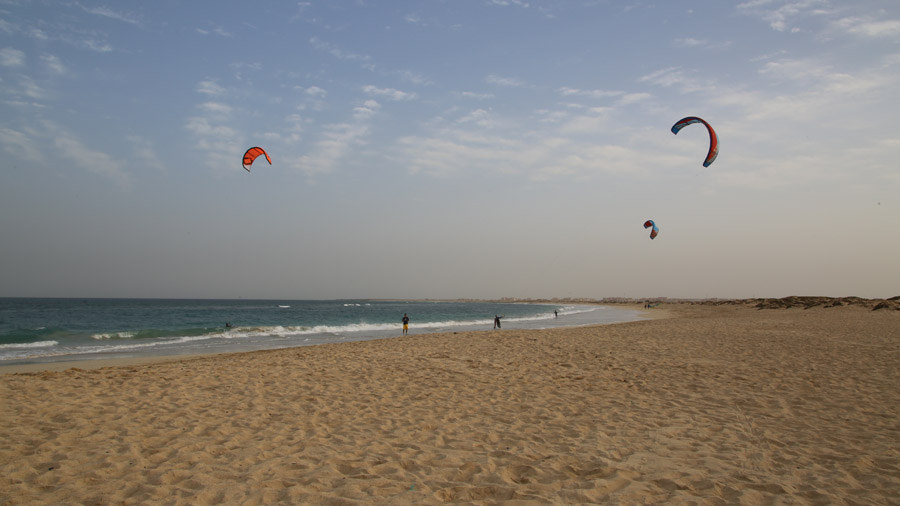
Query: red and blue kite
(655, 231)
(713, 139)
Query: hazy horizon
(470, 149)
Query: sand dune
(717, 404)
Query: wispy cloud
(31, 89)
(20, 144)
(552, 116)
(315, 91)
(677, 78)
(365, 111)
(241, 67)
(633, 98)
(575, 92)
(480, 117)
(509, 82)
(338, 140)
(769, 56)
(595, 121)
(37, 34)
(111, 14)
(475, 95)
(817, 78)
(335, 51)
(414, 78)
(389, 93)
(791, 15)
(690, 42)
(509, 3)
(215, 138)
(313, 97)
(92, 160)
(824, 85)
(206, 127)
(214, 29)
(292, 133)
(782, 15)
(49, 138)
(53, 63)
(10, 57)
(145, 151)
(576, 143)
(414, 19)
(210, 87)
(70, 33)
(869, 27)
(216, 109)
(533, 155)
(301, 12)
(96, 45)
(449, 150)
(70, 147)
(795, 69)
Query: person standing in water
(497, 321)
(405, 324)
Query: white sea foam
(133, 346)
(23, 346)
(288, 331)
(138, 346)
(113, 335)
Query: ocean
(48, 330)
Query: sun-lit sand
(715, 404)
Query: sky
(449, 148)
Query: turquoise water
(40, 330)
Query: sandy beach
(704, 404)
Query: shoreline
(39, 365)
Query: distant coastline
(805, 301)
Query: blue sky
(483, 148)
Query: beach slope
(716, 404)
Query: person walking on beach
(497, 321)
(405, 324)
